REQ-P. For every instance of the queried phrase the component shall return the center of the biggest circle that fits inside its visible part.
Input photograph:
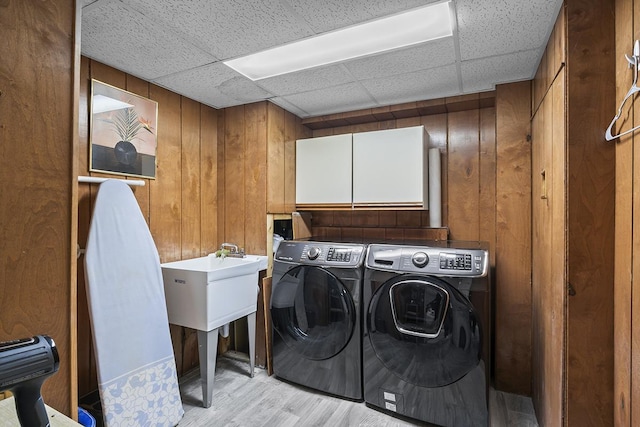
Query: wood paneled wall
(548, 292)
(485, 196)
(626, 402)
(591, 196)
(38, 102)
(512, 296)
(257, 175)
(180, 205)
(573, 220)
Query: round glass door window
(424, 330)
(313, 312)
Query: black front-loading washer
(426, 341)
(315, 313)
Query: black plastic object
(24, 366)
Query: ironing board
(137, 377)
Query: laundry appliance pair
(402, 326)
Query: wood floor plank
(242, 401)
(498, 410)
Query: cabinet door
(323, 171)
(390, 168)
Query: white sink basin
(206, 293)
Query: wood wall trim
(554, 301)
(191, 186)
(275, 162)
(403, 111)
(549, 258)
(624, 401)
(552, 61)
(73, 292)
(513, 238)
(255, 186)
(209, 142)
(464, 175)
(590, 198)
(633, 327)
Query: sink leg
(251, 322)
(207, 351)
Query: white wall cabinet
(390, 168)
(324, 172)
(387, 168)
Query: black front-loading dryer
(315, 313)
(426, 343)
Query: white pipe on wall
(435, 202)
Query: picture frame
(123, 132)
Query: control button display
(314, 252)
(450, 261)
(339, 254)
(420, 259)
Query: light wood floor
(239, 400)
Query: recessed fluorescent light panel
(396, 31)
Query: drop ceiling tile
(306, 80)
(179, 45)
(423, 56)
(426, 84)
(289, 107)
(496, 27)
(215, 84)
(329, 15)
(243, 90)
(483, 74)
(130, 42)
(231, 28)
(331, 100)
(213, 98)
(213, 74)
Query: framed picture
(123, 136)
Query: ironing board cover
(137, 377)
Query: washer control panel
(321, 253)
(455, 261)
(339, 254)
(443, 261)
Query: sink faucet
(233, 250)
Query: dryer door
(313, 312)
(424, 330)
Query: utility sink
(208, 293)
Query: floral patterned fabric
(147, 397)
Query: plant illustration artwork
(127, 124)
(123, 138)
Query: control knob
(314, 252)
(420, 259)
